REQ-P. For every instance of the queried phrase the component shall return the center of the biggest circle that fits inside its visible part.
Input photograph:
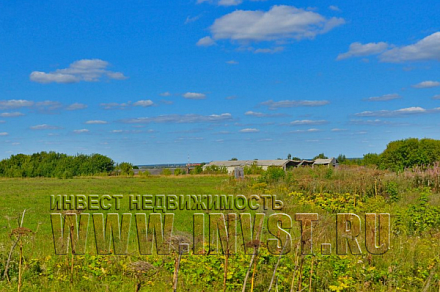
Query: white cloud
(334, 8)
(262, 115)
(166, 93)
(269, 51)
(222, 2)
(180, 119)
(229, 2)
(115, 105)
(436, 96)
(338, 130)
(76, 106)
(399, 112)
(281, 22)
(375, 122)
(384, 97)
(42, 106)
(359, 50)
(194, 95)
(4, 133)
(11, 115)
(293, 103)
(80, 131)
(232, 62)
(231, 97)
(313, 130)
(143, 103)
(15, 103)
(96, 122)
(249, 130)
(117, 131)
(206, 41)
(88, 70)
(427, 84)
(425, 49)
(44, 127)
(308, 122)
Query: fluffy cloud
(281, 22)
(4, 133)
(269, 51)
(44, 127)
(249, 130)
(180, 119)
(166, 93)
(426, 84)
(222, 2)
(384, 97)
(360, 50)
(11, 115)
(125, 105)
(88, 70)
(80, 131)
(194, 95)
(293, 103)
(76, 106)
(143, 103)
(42, 106)
(96, 122)
(15, 103)
(206, 41)
(338, 130)
(261, 115)
(334, 8)
(399, 112)
(308, 122)
(424, 50)
(305, 131)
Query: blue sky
(158, 81)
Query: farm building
(264, 164)
(326, 162)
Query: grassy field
(411, 264)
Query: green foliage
(214, 169)
(273, 174)
(410, 152)
(253, 169)
(179, 171)
(423, 216)
(52, 164)
(320, 156)
(165, 171)
(392, 191)
(125, 168)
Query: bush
(165, 171)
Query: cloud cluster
(194, 95)
(293, 103)
(308, 122)
(384, 97)
(249, 130)
(180, 119)
(41, 106)
(262, 115)
(400, 112)
(281, 22)
(426, 84)
(88, 70)
(125, 105)
(426, 49)
(44, 127)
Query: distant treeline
(401, 154)
(52, 164)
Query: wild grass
(411, 264)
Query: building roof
(325, 161)
(232, 163)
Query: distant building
(264, 164)
(326, 162)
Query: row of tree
(52, 164)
